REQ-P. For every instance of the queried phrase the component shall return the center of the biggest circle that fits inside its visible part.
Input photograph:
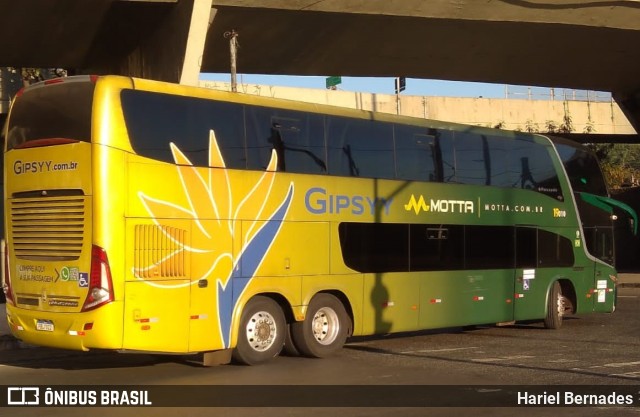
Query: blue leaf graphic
(249, 262)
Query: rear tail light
(6, 286)
(100, 282)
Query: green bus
(153, 217)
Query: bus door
(528, 290)
(475, 282)
(488, 287)
(212, 292)
(598, 214)
(601, 245)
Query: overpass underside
(555, 43)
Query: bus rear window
(58, 111)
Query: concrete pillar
(170, 49)
(201, 18)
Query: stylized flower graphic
(217, 220)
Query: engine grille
(48, 228)
(159, 251)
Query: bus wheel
(289, 348)
(556, 308)
(324, 330)
(262, 331)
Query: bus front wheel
(262, 331)
(555, 307)
(324, 330)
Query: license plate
(44, 325)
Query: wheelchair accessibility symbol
(83, 281)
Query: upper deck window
(316, 143)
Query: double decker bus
(152, 217)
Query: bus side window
(360, 148)
(297, 137)
(526, 247)
(472, 163)
(534, 167)
(259, 128)
(299, 140)
(446, 156)
(436, 247)
(554, 250)
(375, 247)
(155, 120)
(489, 247)
(415, 153)
(498, 149)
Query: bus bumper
(97, 329)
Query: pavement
(8, 342)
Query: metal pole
(233, 49)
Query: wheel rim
(325, 326)
(261, 331)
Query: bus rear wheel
(325, 328)
(262, 332)
(555, 307)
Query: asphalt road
(599, 349)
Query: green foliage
(589, 127)
(34, 75)
(551, 126)
(620, 163)
(567, 121)
(531, 126)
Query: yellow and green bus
(151, 217)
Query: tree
(620, 163)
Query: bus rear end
(57, 282)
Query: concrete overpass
(583, 44)
(601, 121)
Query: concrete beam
(629, 102)
(144, 39)
(584, 44)
(325, 43)
(593, 13)
(149, 39)
(49, 33)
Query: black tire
(325, 328)
(262, 332)
(289, 348)
(555, 307)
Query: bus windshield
(597, 209)
(582, 168)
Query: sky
(384, 85)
